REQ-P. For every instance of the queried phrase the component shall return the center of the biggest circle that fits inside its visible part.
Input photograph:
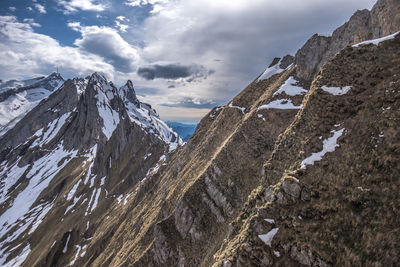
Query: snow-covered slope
(139, 113)
(72, 155)
(19, 97)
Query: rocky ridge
(68, 160)
(382, 20)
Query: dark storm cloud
(173, 72)
(189, 102)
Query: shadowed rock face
(382, 20)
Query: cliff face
(382, 20)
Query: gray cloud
(238, 39)
(189, 102)
(148, 91)
(173, 72)
(107, 43)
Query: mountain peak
(97, 77)
(128, 93)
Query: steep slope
(203, 184)
(67, 161)
(194, 208)
(330, 191)
(17, 98)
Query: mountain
(17, 98)
(185, 131)
(299, 169)
(67, 162)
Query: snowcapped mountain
(18, 97)
(82, 147)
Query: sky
(183, 56)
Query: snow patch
(280, 104)
(378, 41)
(269, 72)
(78, 249)
(267, 238)
(96, 199)
(73, 190)
(290, 88)
(120, 198)
(363, 189)
(329, 145)
(336, 90)
(271, 221)
(66, 244)
(18, 260)
(41, 173)
(242, 109)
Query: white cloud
(24, 53)
(144, 2)
(12, 8)
(29, 8)
(86, 5)
(108, 44)
(122, 18)
(40, 8)
(121, 27)
(158, 5)
(32, 22)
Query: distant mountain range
(185, 131)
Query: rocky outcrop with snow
(17, 98)
(72, 155)
(382, 20)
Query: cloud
(40, 8)
(172, 71)
(189, 102)
(32, 22)
(121, 27)
(24, 53)
(139, 3)
(158, 5)
(122, 18)
(86, 5)
(12, 8)
(244, 36)
(105, 42)
(29, 8)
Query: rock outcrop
(382, 20)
